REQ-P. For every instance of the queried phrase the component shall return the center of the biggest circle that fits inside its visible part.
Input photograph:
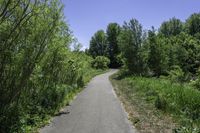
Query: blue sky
(85, 17)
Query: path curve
(95, 110)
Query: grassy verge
(157, 105)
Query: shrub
(176, 74)
(100, 62)
(38, 71)
(80, 81)
(196, 83)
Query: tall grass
(180, 100)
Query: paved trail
(95, 110)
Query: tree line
(161, 67)
(174, 45)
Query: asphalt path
(95, 110)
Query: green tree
(130, 40)
(193, 24)
(29, 62)
(113, 31)
(157, 59)
(154, 53)
(172, 27)
(98, 44)
(187, 52)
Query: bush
(176, 74)
(196, 83)
(38, 71)
(80, 81)
(100, 62)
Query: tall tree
(157, 58)
(98, 44)
(27, 30)
(130, 40)
(113, 31)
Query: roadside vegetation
(160, 71)
(39, 72)
(157, 105)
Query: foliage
(100, 62)
(38, 72)
(151, 53)
(183, 102)
(181, 50)
(176, 74)
(172, 27)
(113, 31)
(187, 52)
(193, 24)
(196, 82)
(157, 57)
(142, 109)
(172, 52)
(130, 40)
(98, 44)
(105, 44)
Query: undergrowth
(181, 101)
